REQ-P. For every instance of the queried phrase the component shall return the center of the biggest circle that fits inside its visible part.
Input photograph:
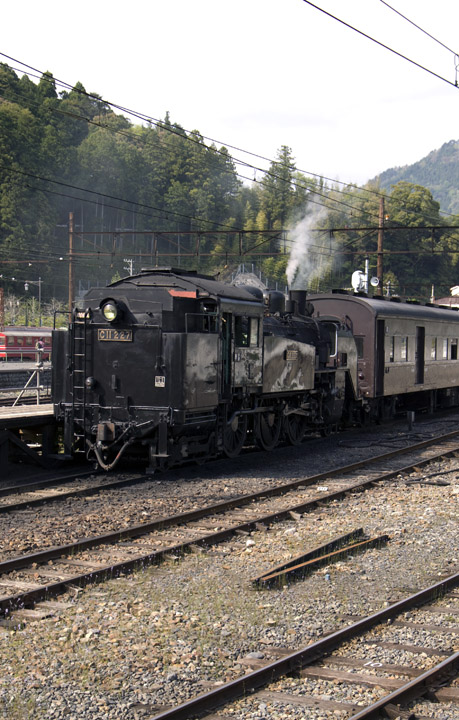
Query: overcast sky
(259, 74)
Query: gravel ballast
(135, 644)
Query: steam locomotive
(170, 365)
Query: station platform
(25, 416)
(28, 434)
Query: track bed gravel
(134, 644)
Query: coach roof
(337, 303)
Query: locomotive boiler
(170, 365)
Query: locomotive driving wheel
(234, 435)
(294, 428)
(267, 428)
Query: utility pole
(39, 302)
(71, 280)
(379, 266)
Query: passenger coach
(407, 353)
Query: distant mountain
(438, 171)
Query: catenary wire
(419, 28)
(378, 42)
(157, 122)
(167, 212)
(327, 197)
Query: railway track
(29, 579)
(42, 492)
(362, 656)
(27, 400)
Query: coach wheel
(267, 427)
(294, 428)
(234, 436)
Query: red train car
(23, 343)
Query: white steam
(311, 251)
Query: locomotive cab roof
(162, 287)
(188, 281)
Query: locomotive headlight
(110, 311)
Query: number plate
(117, 335)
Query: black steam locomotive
(170, 365)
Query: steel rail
(28, 598)
(412, 690)
(193, 515)
(242, 499)
(271, 577)
(77, 492)
(31, 486)
(319, 551)
(203, 704)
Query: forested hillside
(438, 171)
(151, 193)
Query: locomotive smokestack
(297, 300)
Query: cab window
(246, 331)
(254, 331)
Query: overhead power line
(386, 47)
(419, 28)
(188, 136)
(183, 134)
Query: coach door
(379, 358)
(419, 356)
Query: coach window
(29, 340)
(11, 340)
(391, 349)
(333, 330)
(454, 349)
(433, 349)
(445, 348)
(404, 348)
(20, 341)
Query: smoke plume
(311, 252)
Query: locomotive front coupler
(106, 436)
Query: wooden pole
(71, 278)
(379, 267)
